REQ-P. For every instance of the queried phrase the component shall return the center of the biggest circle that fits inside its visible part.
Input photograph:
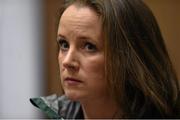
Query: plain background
(21, 57)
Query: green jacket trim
(39, 102)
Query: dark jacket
(62, 108)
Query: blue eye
(90, 47)
(63, 45)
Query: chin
(73, 95)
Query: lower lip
(72, 82)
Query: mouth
(72, 81)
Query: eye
(63, 45)
(90, 47)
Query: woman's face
(81, 54)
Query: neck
(100, 108)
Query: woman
(113, 63)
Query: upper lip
(72, 79)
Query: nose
(70, 61)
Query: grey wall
(21, 57)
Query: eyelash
(92, 47)
(61, 43)
(88, 46)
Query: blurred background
(28, 54)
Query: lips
(70, 80)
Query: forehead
(80, 17)
(76, 12)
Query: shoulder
(57, 107)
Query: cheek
(94, 68)
(94, 75)
(61, 68)
(60, 59)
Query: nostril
(71, 68)
(71, 65)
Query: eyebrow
(61, 36)
(82, 37)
